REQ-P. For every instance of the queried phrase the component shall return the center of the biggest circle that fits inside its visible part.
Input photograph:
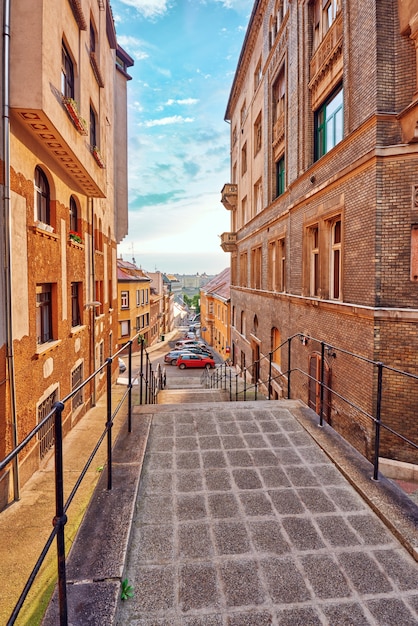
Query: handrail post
(60, 518)
(236, 388)
(230, 385)
(109, 422)
(146, 378)
(321, 390)
(289, 369)
(141, 371)
(130, 389)
(378, 420)
(256, 366)
(269, 384)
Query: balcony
(326, 65)
(229, 196)
(229, 242)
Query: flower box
(72, 110)
(98, 156)
(74, 236)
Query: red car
(194, 360)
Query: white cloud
(174, 119)
(186, 101)
(150, 9)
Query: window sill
(75, 244)
(48, 346)
(75, 330)
(40, 229)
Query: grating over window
(46, 434)
(76, 380)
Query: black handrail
(323, 387)
(153, 384)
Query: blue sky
(186, 53)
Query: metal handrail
(153, 383)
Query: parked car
(200, 350)
(122, 366)
(195, 360)
(182, 343)
(172, 356)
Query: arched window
(242, 327)
(255, 325)
(42, 197)
(73, 215)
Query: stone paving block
(267, 536)
(159, 461)
(232, 442)
(194, 541)
(325, 576)
(203, 620)
(287, 456)
(316, 500)
(286, 501)
(337, 532)
(154, 508)
(301, 476)
(391, 611)
(239, 458)
(231, 538)
(254, 441)
(303, 617)
(241, 583)
(186, 443)
(274, 477)
(212, 442)
(213, 459)
(218, 480)
(191, 507)
(345, 614)
(246, 479)
(198, 587)
(256, 503)
(228, 428)
(270, 426)
(371, 529)
(302, 533)
(401, 568)
(364, 573)
(159, 482)
(329, 475)
(278, 440)
(251, 618)
(284, 580)
(154, 589)
(264, 458)
(190, 480)
(187, 460)
(206, 428)
(346, 499)
(249, 427)
(223, 505)
(154, 543)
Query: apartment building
(133, 303)
(64, 209)
(323, 195)
(215, 313)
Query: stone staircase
(187, 389)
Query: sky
(186, 53)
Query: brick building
(324, 203)
(64, 209)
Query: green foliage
(126, 590)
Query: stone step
(181, 396)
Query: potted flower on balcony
(98, 156)
(72, 110)
(74, 236)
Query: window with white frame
(124, 299)
(125, 328)
(314, 261)
(44, 313)
(335, 261)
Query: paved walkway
(242, 520)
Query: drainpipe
(93, 307)
(8, 238)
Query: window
(324, 15)
(244, 159)
(258, 197)
(314, 261)
(257, 135)
(93, 129)
(138, 297)
(46, 435)
(277, 265)
(125, 328)
(76, 380)
(256, 257)
(146, 296)
(275, 343)
(73, 215)
(329, 124)
(243, 113)
(44, 313)
(280, 176)
(124, 300)
(244, 211)
(243, 269)
(257, 75)
(92, 38)
(67, 74)
(335, 265)
(42, 198)
(75, 304)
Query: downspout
(7, 239)
(93, 307)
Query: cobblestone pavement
(242, 519)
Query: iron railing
(242, 385)
(149, 383)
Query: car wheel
(207, 366)
(182, 366)
(173, 361)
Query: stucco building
(64, 209)
(323, 197)
(215, 312)
(134, 310)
